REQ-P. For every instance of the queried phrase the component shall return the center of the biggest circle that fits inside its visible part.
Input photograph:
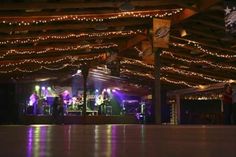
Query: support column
(177, 108)
(157, 97)
(85, 70)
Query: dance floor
(117, 141)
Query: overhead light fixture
(126, 6)
(183, 33)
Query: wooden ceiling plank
(81, 5)
(187, 13)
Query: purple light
(66, 92)
(43, 88)
(113, 90)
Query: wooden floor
(117, 141)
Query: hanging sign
(161, 29)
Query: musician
(66, 99)
(102, 101)
(34, 101)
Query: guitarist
(102, 101)
(99, 103)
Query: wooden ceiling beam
(187, 13)
(133, 41)
(202, 5)
(208, 34)
(82, 5)
(207, 23)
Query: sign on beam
(161, 29)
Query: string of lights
(204, 97)
(137, 73)
(199, 47)
(70, 59)
(55, 49)
(172, 69)
(37, 69)
(162, 78)
(191, 61)
(178, 82)
(136, 62)
(68, 36)
(189, 73)
(91, 17)
(198, 61)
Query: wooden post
(178, 109)
(157, 97)
(85, 70)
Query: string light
(136, 62)
(198, 61)
(137, 73)
(172, 69)
(37, 69)
(195, 61)
(162, 78)
(55, 49)
(188, 73)
(92, 17)
(177, 82)
(72, 35)
(204, 97)
(199, 47)
(72, 59)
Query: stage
(75, 119)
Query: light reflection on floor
(117, 140)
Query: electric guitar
(99, 100)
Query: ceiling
(51, 39)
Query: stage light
(43, 88)
(37, 87)
(104, 90)
(78, 71)
(113, 90)
(49, 88)
(108, 90)
(66, 92)
(96, 90)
